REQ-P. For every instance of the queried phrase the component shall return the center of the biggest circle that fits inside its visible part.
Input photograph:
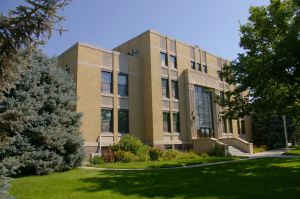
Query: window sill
(165, 67)
(124, 97)
(107, 94)
(165, 99)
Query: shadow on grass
(264, 178)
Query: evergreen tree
(39, 121)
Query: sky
(213, 25)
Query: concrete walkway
(277, 153)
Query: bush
(155, 153)
(129, 143)
(170, 154)
(143, 153)
(96, 160)
(188, 155)
(217, 151)
(40, 122)
(125, 156)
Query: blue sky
(211, 24)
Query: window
(106, 82)
(222, 97)
(193, 65)
(165, 88)
(220, 75)
(176, 122)
(173, 61)
(224, 124)
(123, 85)
(166, 122)
(175, 89)
(163, 59)
(199, 67)
(205, 68)
(243, 124)
(107, 120)
(203, 110)
(123, 121)
(230, 126)
(238, 126)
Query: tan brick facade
(140, 59)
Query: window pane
(243, 126)
(165, 87)
(173, 62)
(166, 122)
(106, 82)
(193, 66)
(238, 126)
(205, 68)
(203, 111)
(123, 121)
(163, 59)
(176, 122)
(224, 124)
(230, 125)
(175, 89)
(123, 85)
(107, 120)
(199, 67)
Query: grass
(259, 149)
(295, 151)
(268, 178)
(164, 163)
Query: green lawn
(250, 179)
(295, 151)
(165, 163)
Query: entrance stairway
(236, 152)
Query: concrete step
(236, 152)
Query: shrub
(40, 121)
(155, 153)
(125, 156)
(96, 160)
(108, 155)
(217, 151)
(143, 153)
(170, 154)
(187, 155)
(129, 143)
(204, 155)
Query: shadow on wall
(245, 180)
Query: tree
(268, 72)
(27, 26)
(40, 121)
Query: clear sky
(211, 24)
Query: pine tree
(39, 121)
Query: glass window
(166, 122)
(163, 59)
(176, 122)
(243, 124)
(230, 126)
(193, 65)
(173, 61)
(165, 88)
(238, 126)
(123, 85)
(175, 89)
(205, 68)
(222, 97)
(224, 124)
(199, 67)
(220, 75)
(107, 120)
(203, 110)
(123, 121)
(106, 82)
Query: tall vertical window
(123, 121)
(175, 89)
(203, 110)
(123, 85)
(224, 124)
(166, 122)
(173, 61)
(106, 82)
(193, 65)
(222, 97)
(238, 126)
(243, 124)
(107, 120)
(205, 68)
(165, 88)
(164, 59)
(199, 67)
(230, 126)
(176, 122)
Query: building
(157, 88)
